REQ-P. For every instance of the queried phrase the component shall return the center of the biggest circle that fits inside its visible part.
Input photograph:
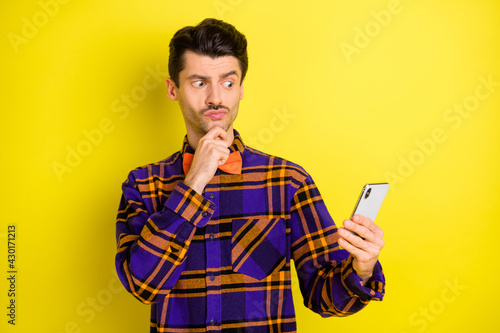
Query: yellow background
(350, 118)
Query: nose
(214, 96)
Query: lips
(215, 114)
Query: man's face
(209, 92)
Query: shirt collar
(237, 144)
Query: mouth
(215, 114)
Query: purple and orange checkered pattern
(220, 261)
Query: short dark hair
(211, 37)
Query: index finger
(366, 222)
(217, 132)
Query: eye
(228, 84)
(198, 83)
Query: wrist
(365, 277)
(195, 185)
(363, 273)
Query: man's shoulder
(255, 158)
(168, 167)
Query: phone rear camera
(368, 192)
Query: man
(207, 235)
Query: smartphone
(370, 200)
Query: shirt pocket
(258, 246)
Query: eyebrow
(201, 77)
(233, 72)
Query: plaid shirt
(221, 261)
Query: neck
(194, 137)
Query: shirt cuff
(191, 206)
(374, 289)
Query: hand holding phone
(365, 250)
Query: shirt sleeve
(152, 247)
(328, 282)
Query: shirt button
(212, 322)
(212, 277)
(204, 214)
(211, 196)
(212, 236)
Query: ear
(241, 89)
(172, 90)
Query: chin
(224, 126)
